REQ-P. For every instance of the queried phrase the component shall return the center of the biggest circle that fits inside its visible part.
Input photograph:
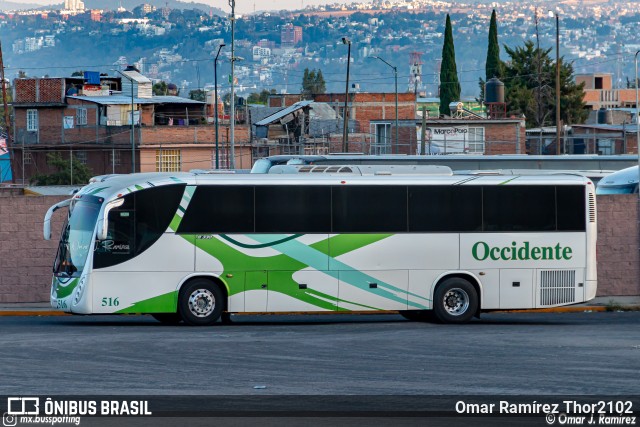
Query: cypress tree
(493, 67)
(449, 84)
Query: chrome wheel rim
(202, 302)
(456, 301)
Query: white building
(260, 53)
(74, 5)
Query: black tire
(418, 315)
(455, 301)
(167, 318)
(200, 302)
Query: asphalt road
(504, 353)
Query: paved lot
(504, 353)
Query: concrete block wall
(26, 258)
(618, 245)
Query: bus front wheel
(455, 301)
(200, 303)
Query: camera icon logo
(9, 420)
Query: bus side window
(137, 224)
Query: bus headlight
(79, 291)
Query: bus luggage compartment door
(516, 288)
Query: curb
(569, 309)
(35, 313)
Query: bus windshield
(76, 240)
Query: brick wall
(191, 134)
(39, 90)
(26, 259)
(618, 257)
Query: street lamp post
(551, 13)
(345, 130)
(395, 71)
(132, 132)
(232, 112)
(215, 108)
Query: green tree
(313, 83)
(160, 89)
(62, 176)
(449, 84)
(78, 73)
(198, 95)
(493, 66)
(260, 98)
(522, 84)
(3, 124)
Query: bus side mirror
(46, 226)
(103, 224)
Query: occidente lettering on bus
(481, 251)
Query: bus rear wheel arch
(455, 300)
(201, 301)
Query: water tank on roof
(494, 91)
(605, 117)
(456, 106)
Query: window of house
(476, 140)
(81, 156)
(114, 158)
(598, 83)
(168, 160)
(27, 158)
(383, 139)
(81, 116)
(32, 120)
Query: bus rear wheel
(200, 303)
(455, 301)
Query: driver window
(119, 245)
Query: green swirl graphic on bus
(481, 251)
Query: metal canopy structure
(283, 113)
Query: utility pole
(423, 132)
(539, 71)
(7, 119)
(345, 130)
(215, 108)
(132, 129)
(232, 113)
(558, 123)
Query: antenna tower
(415, 72)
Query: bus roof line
(509, 180)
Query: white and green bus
(196, 247)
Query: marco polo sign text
(482, 251)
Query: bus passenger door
(255, 291)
